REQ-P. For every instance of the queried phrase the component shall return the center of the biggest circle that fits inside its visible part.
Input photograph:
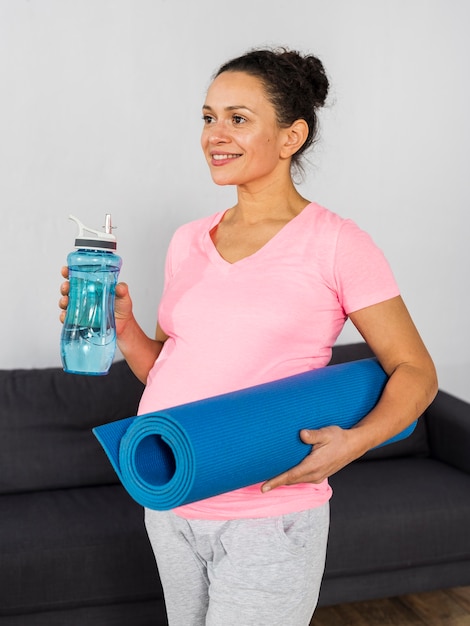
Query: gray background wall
(100, 112)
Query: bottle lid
(95, 239)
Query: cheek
(204, 142)
(268, 147)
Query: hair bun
(316, 75)
(311, 75)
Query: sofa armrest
(448, 422)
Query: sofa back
(46, 417)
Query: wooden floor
(437, 608)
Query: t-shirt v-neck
(277, 239)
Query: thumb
(122, 290)
(310, 436)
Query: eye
(208, 119)
(238, 119)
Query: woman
(252, 294)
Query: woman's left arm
(412, 385)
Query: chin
(222, 180)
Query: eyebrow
(233, 107)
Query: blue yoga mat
(201, 449)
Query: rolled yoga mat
(201, 449)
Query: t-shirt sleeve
(362, 273)
(169, 261)
(178, 247)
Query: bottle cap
(95, 239)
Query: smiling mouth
(224, 157)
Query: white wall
(100, 112)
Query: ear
(295, 137)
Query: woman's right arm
(139, 350)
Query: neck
(256, 205)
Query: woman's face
(241, 139)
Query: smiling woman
(247, 131)
(241, 138)
(255, 293)
(295, 86)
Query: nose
(216, 133)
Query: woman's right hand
(64, 292)
(122, 304)
(139, 350)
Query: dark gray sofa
(401, 514)
(73, 549)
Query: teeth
(222, 157)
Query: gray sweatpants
(249, 572)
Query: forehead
(231, 89)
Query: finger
(294, 475)
(310, 436)
(319, 436)
(122, 290)
(65, 288)
(297, 473)
(278, 481)
(305, 472)
(64, 302)
(65, 271)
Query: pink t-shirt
(273, 314)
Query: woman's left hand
(332, 450)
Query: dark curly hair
(295, 84)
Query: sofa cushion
(74, 547)
(46, 417)
(389, 514)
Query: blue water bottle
(88, 340)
